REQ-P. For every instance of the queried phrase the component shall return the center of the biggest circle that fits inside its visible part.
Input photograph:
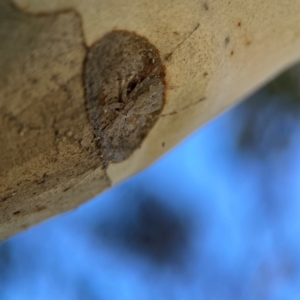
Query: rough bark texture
(214, 53)
(49, 161)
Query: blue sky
(216, 218)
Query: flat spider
(124, 89)
(133, 107)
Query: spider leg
(124, 88)
(142, 86)
(141, 120)
(112, 130)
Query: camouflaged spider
(145, 98)
(124, 90)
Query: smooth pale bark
(219, 51)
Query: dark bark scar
(124, 90)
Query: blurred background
(216, 218)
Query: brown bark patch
(124, 91)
